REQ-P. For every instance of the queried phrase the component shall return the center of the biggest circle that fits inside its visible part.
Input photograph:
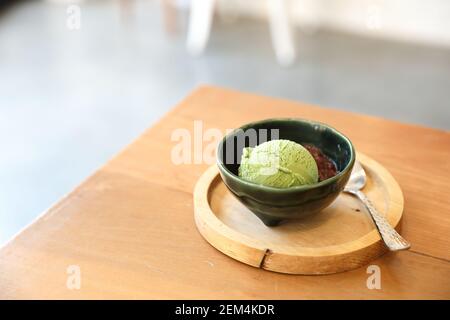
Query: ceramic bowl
(273, 205)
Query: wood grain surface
(130, 226)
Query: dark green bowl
(272, 205)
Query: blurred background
(80, 79)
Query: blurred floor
(69, 100)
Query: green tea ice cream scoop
(279, 164)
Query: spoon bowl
(358, 178)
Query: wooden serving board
(339, 238)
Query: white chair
(200, 20)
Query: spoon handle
(391, 238)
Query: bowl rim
(328, 181)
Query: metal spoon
(391, 238)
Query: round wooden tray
(339, 238)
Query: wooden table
(130, 228)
